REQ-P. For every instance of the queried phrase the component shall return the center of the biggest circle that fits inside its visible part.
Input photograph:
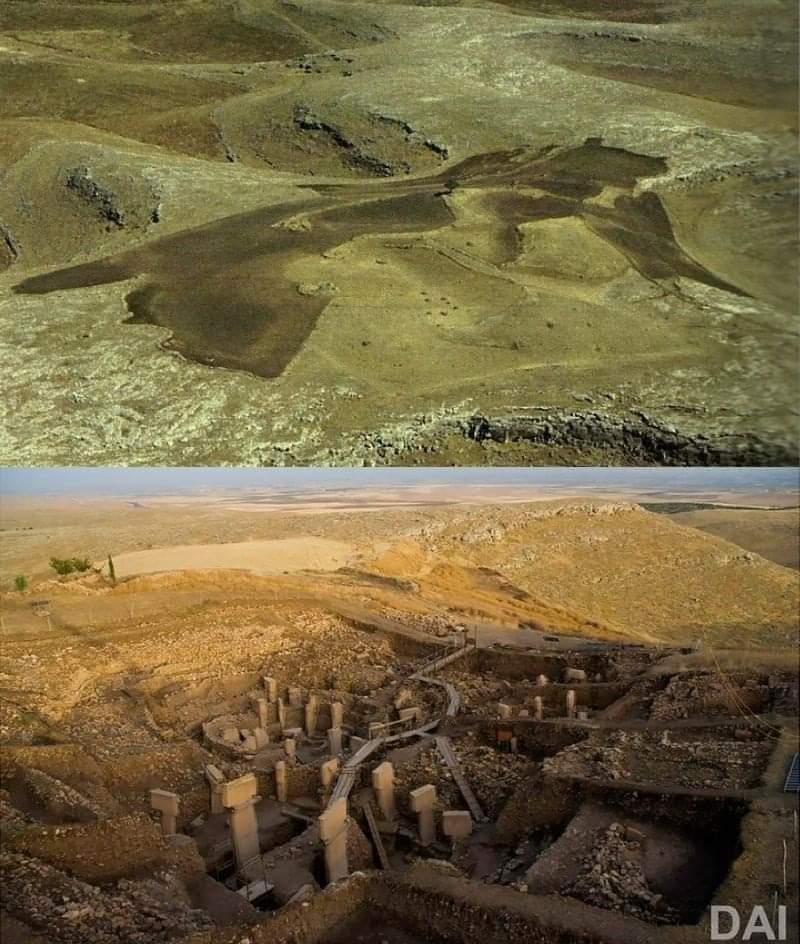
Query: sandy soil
(260, 557)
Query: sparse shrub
(62, 567)
(20, 582)
(68, 565)
(111, 572)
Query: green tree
(20, 582)
(81, 564)
(62, 566)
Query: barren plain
(285, 232)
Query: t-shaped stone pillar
(538, 708)
(290, 747)
(215, 779)
(295, 696)
(571, 702)
(422, 801)
(333, 833)
(337, 714)
(334, 741)
(270, 687)
(504, 710)
(383, 785)
(281, 714)
(311, 715)
(281, 781)
(263, 713)
(457, 824)
(542, 680)
(239, 798)
(168, 805)
(574, 675)
(328, 771)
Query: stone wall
(537, 805)
(712, 813)
(303, 780)
(437, 906)
(297, 923)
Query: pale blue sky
(139, 481)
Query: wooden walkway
(445, 746)
(377, 841)
(351, 769)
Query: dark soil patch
(222, 291)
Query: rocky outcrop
(108, 205)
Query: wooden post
(785, 853)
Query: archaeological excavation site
(414, 747)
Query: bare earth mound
(598, 568)
(640, 573)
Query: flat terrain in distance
(772, 534)
(586, 565)
(273, 232)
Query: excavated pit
(630, 808)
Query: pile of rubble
(613, 878)
(664, 758)
(428, 767)
(59, 798)
(588, 759)
(74, 912)
(435, 624)
(492, 775)
(479, 693)
(10, 816)
(688, 696)
(325, 652)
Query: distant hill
(772, 534)
(644, 575)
